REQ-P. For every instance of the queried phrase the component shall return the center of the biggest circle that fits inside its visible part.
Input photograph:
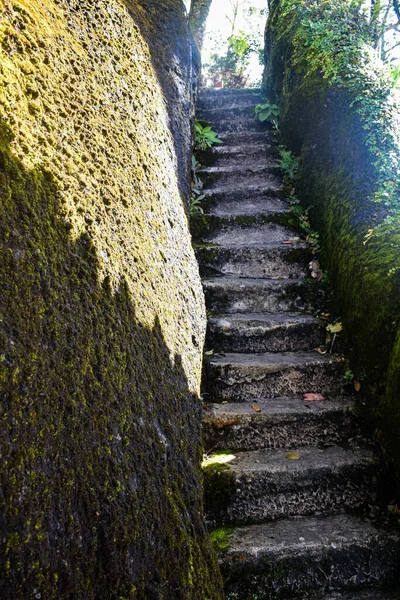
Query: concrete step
(366, 594)
(246, 295)
(244, 230)
(246, 189)
(243, 377)
(266, 485)
(254, 204)
(240, 124)
(264, 332)
(227, 98)
(293, 557)
(238, 175)
(259, 261)
(283, 422)
(244, 136)
(244, 154)
(238, 235)
(233, 110)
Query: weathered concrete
(259, 333)
(299, 555)
(272, 260)
(286, 422)
(233, 294)
(266, 485)
(241, 377)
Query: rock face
(342, 119)
(102, 318)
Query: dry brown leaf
(313, 397)
(294, 240)
(256, 408)
(322, 350)
(357, 386)
(293, 456)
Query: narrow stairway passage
(288, 494)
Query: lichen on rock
(101, 311)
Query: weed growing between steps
(204, 138)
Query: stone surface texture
(290, 485)
(101, 309)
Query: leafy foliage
(230, 66)
(336, 39)
(288, 164)
(268, 112)
(205, 137)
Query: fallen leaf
(256, 408)
(294, 240)
(209, 353)
(324, 316)
(334, 327)
(322, 350)
(293, 456)
(357, 386)
(313, 397)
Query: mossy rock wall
(101, 308)
(344, 125)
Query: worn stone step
(246, 295)
(264, 332)
(246, 189)
(366, 594)
(242, 377)
(265, 485)
(240, 124)
(227, 99)
(241, 176)
(278, 423)
(236, 234)
(245, 136)
(252, 204)
(293, 557)
(259, 261)
(244, 154)
(244, 230)
(233, 110)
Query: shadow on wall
(159, 27)
(99, 473)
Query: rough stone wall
(101, 307)
(345, 127)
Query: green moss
(101, 494)
(219, 483)
(339, 115)
(220, 538)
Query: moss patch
(101, 311)
(339, 115)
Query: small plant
(197, 186)
(268, 113)
(288, 164)
(312, 236)
(205, 137)
(348, 376)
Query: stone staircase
(288, 488)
